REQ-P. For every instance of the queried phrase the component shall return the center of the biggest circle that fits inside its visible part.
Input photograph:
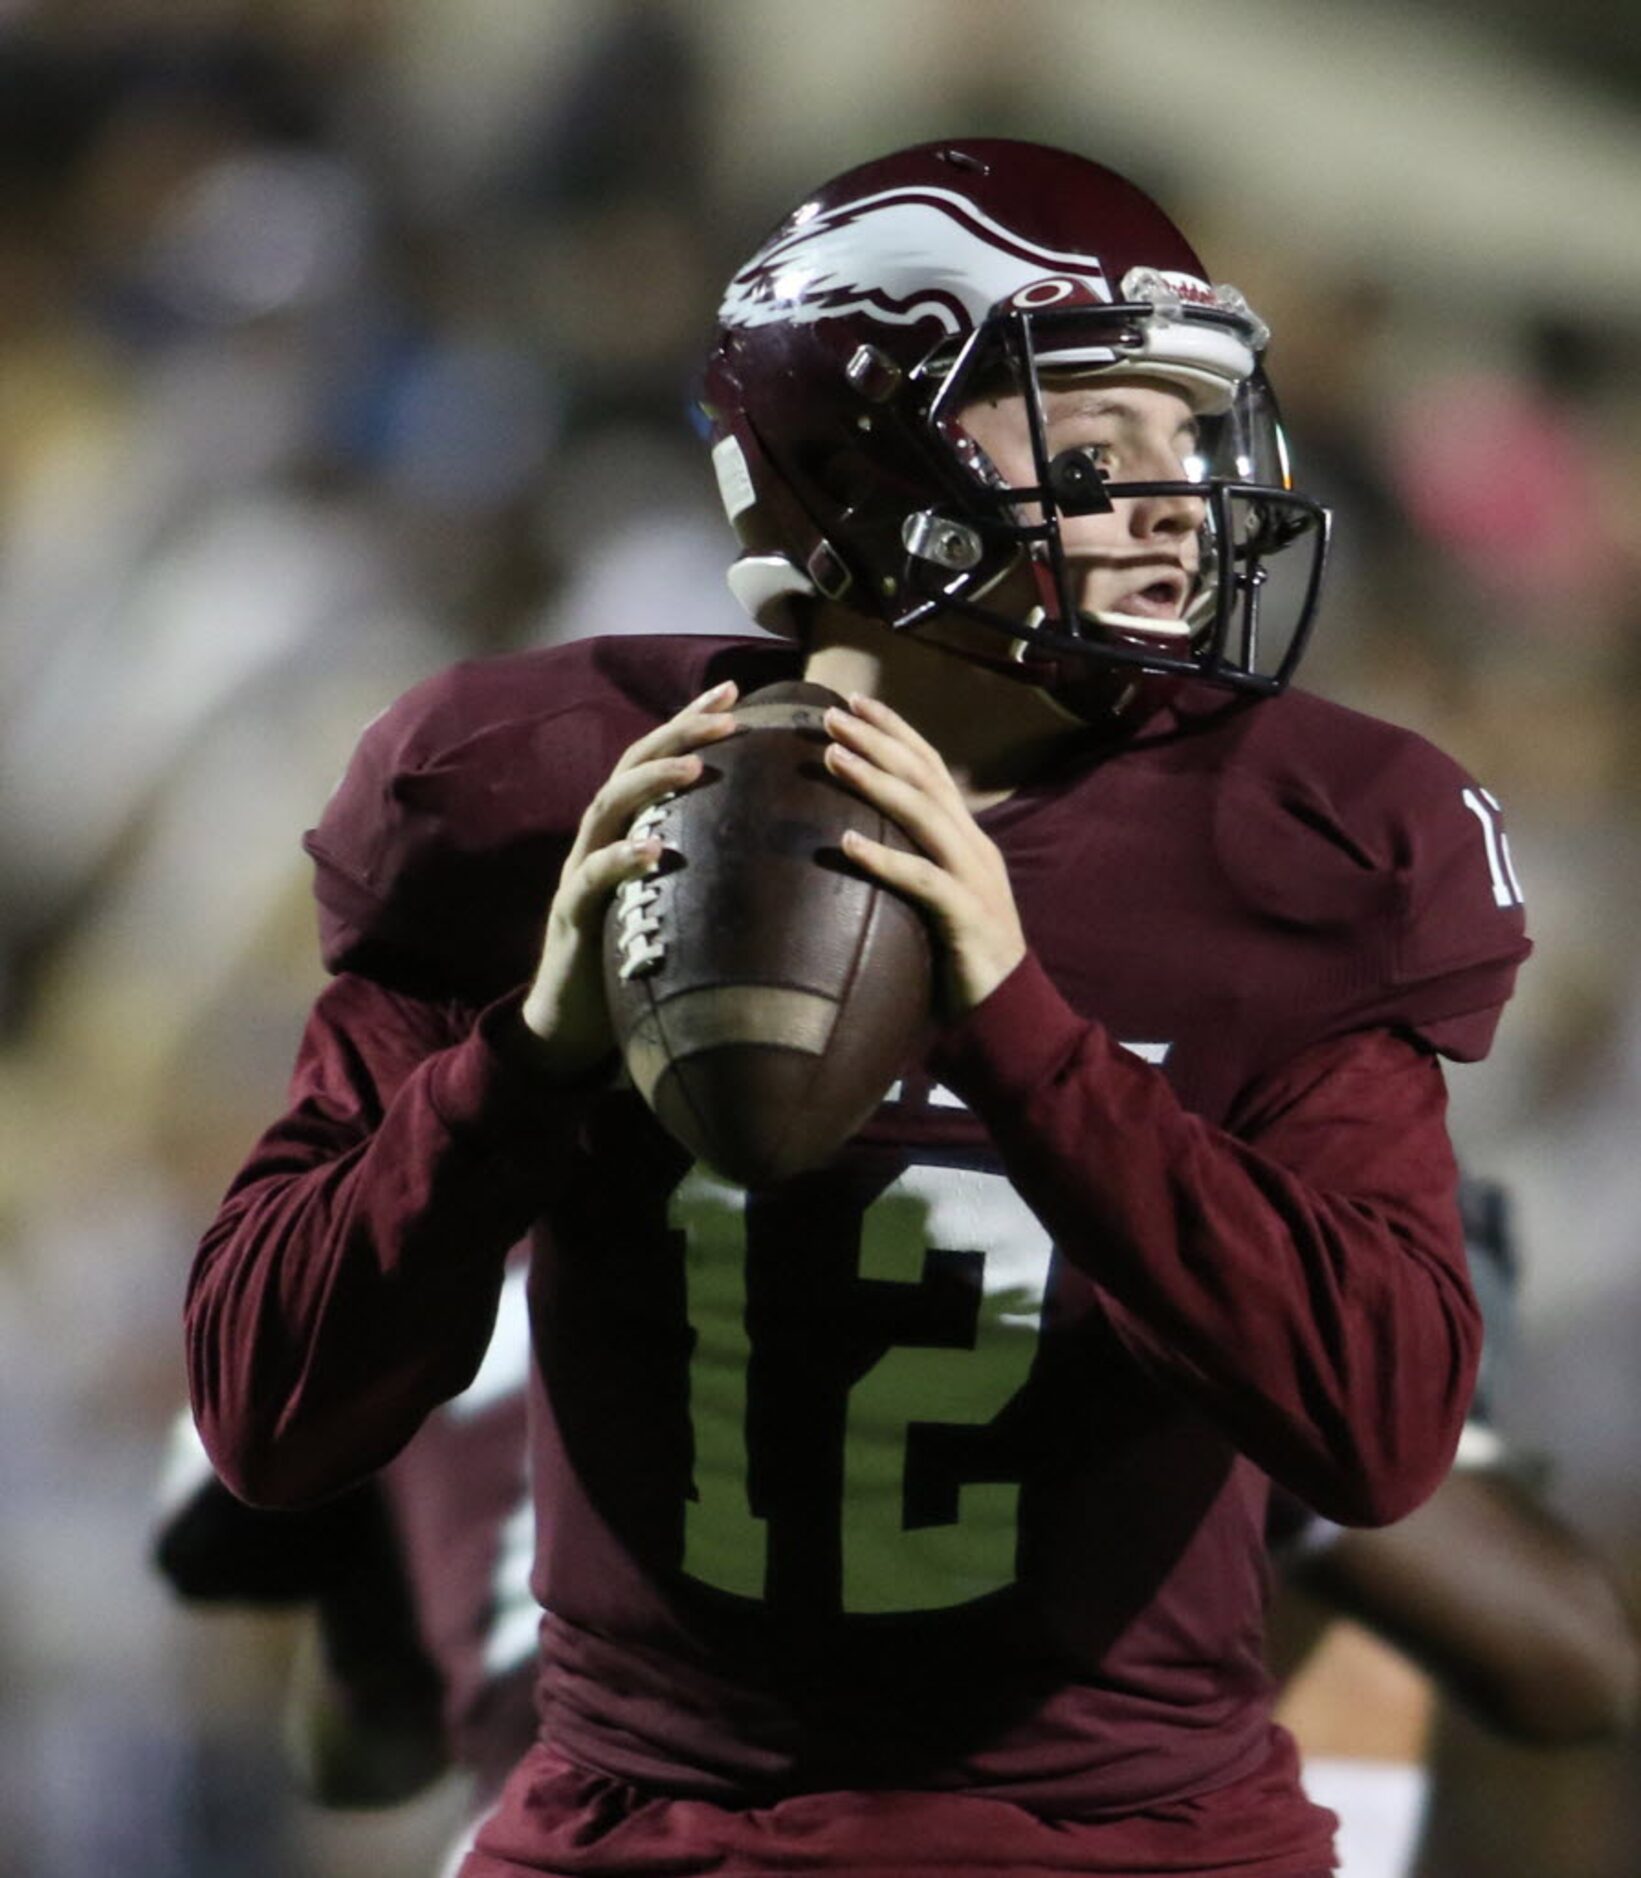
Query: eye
(1101, 452)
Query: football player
(909, 1515)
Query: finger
(894, 743)
(604, 870)
(676, 735)
(718, 697)
(980, 948)
(703, 720)
(942, 829)
(904, 755)
(885, 750)
(886, 719)
(914, 875)
(624, 793)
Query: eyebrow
(1097, 404)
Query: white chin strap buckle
(762, 583)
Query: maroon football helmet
(852, 340)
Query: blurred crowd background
(340, 339)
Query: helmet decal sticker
(904, 255)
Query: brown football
(764, 991)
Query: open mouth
(1158, 609)
(1160, 599)
(1153, 610)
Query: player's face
(1141, 558)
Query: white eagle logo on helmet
(902, 256)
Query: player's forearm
(1330, 1333)
(348, 1285)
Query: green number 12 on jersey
(888, 1563)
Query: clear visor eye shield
(1261, 547)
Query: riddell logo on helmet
(902, 256)
(1061, 291)
(1189, 288)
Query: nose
(1171, 517)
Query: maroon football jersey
(942, 1468)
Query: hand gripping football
(765, 992)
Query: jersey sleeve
(350, 1279)
(348, 1283)
(1299, 1274)
(1292, 1531)
(212, 1548)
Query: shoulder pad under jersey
(1331, 820)
(437, 854)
